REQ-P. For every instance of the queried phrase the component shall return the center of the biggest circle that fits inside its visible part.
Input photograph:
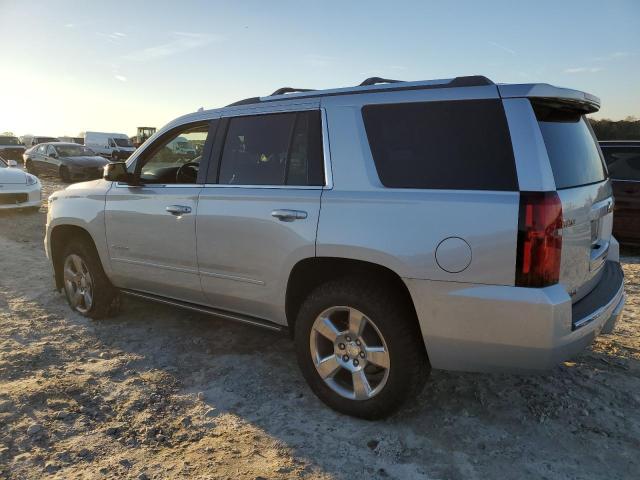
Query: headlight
(31, 179)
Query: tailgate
(584, 190)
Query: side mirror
(117, 172)
(53, 155)
(12, 163)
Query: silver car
(391, 228)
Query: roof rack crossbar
(283, 90)
(376, 80)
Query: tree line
(627, 129)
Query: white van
(182, 146)
(115, 146)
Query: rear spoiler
(542, 91)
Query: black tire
(106, 301)
(30, 168)
(65, 176)
(396, 322)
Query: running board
(236, 317)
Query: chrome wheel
(78, 284)
(349, 353)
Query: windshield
(123, 142)
(46, 139)
(73, 151)
(5, 140)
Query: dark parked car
(11, 148)
(623, 161)
(69, 161)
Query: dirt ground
(162, 393)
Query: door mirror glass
(117, 172)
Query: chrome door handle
(289, 215)
(178, 209)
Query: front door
(259, 216)
(150, 227)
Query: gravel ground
(162, 393)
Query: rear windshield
(457, 145)
(571, 147)
(4, 140)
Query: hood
(86, 161)
(13, 176)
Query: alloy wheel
(349, 353)
(78, 283)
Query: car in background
(11, 148)
(31, 141)
(116, 146)
(78, 140)
(623, 162)
(69, 161)
(18, 189)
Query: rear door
(258, 212)
(584, 190)
(623, 163)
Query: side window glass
(623, 163)
(175, 159)
(50, 150)
(273, 149)
(40, 149)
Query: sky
(71, 66)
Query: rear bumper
(473, 327)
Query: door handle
(178, 209)
(289, 215)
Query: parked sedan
(18, 189)
(623, 161)
(69, 161)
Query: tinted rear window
(461, 145)
(571, 146)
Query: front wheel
(359, 348)
(86, 286)
(30, 168)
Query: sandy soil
(162, 393)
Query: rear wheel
(86, 286)
(359, 348)
(65, 176)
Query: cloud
(182, 41)
(582, 70)
(69, 25)
(503, 48)
(613, 56)
(122, 78)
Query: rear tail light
(539, 239)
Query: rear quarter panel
(401, 228)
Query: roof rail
(246, 101)
(283, 90)
(470, 81)
(376, 80)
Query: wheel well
(310, 273)
(60, 237)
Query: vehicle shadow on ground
(461, 423)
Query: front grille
(13, 198)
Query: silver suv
(391, 228)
